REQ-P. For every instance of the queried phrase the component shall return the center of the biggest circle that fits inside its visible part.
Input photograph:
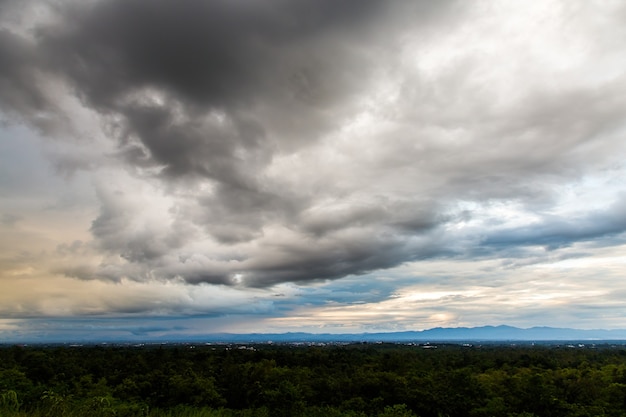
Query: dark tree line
(354, 380)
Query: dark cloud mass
(20, 95)
(268, 141)
(213, 90)
(211, 52)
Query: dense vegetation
(354, 380)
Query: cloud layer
(254, 144)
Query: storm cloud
(251, 144)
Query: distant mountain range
(486, 334)
(438, 334)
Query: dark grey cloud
(241, 133)
(558, 231)
(212, 52)
(212, 91)
(234, 60)
(327, 261)
(214, 88)
(21, 96)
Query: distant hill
(438, 334)
(487, 334)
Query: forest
(356, 380)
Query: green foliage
(398, 410)
(9, 401)
(349, 381)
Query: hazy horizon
(501, 334)
(192, 167)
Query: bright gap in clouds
(364, 166)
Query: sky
(178, 168)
